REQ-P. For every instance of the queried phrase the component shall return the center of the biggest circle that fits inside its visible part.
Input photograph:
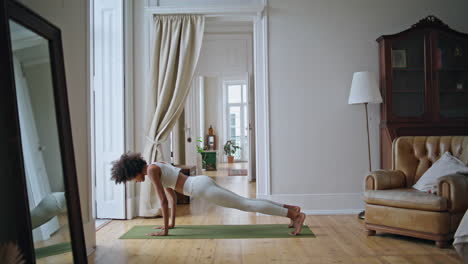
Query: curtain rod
(208, 12)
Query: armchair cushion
(407, 198)
(447, 164)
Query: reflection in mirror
(40, 145)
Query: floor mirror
(43, 176)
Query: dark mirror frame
(12, 166)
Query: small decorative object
(211, 142)
(211, 139)
(459, 86)
(229, 150)
(458, 52)
(399, 58)
(430, 21)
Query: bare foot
(298, 222)
(294, 208)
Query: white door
(108, 84)
(237, 116)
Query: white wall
(213, 102)
(72, 18)
(318, 141)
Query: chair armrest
(385, 179)
(454, 188)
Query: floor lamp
(364, 90)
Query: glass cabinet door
(451, 63)
(408, 76)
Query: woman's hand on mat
(163, 232)
(162, 227)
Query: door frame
(259, 16)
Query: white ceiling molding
(208, 12)
(240, 9)
(19, 44)
(204, 3)
(23, 38)
(35, 61)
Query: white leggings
(206, 188)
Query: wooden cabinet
(424, 83)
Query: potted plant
(230, 149)
(201, 158)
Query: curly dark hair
(127, 167)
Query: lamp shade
(364, 89)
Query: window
(237, 117)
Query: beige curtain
(176, 47)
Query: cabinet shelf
(411, 69)
(454, 69)
(453, 92)
(407, 91)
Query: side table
(210, 159)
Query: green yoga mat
(218, 232)
(53, 250)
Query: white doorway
(108, 106)
(222, 95)
(257, 13)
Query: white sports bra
(169, 174)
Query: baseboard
(90, 251)
(90, 236)
(333, 212)
(322, 204)
(131, 207)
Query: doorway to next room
(218, 123)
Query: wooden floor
(340, 239)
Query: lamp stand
(368, 138)
(361, 215)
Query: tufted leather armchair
(393, 206)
